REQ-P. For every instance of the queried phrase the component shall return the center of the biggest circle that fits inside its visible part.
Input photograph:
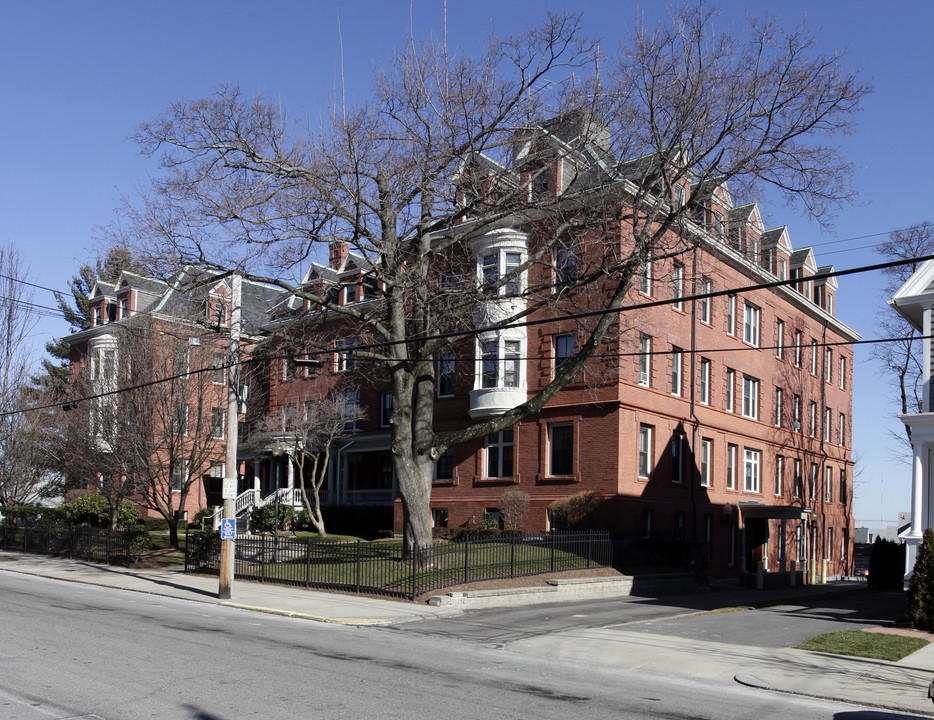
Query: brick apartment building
(717, 412)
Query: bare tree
(180, 394)
(307, 433)
(451, 148)
(513, 505)
(25, 470)
(900, 357)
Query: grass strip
(878, 646)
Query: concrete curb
(306, 616)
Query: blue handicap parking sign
(228, 529)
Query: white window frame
(731, 315)
(677, 365)
(730, 390)
(813, 357)
(345, 361)
(677, 458)
(750, 397)
(779, 338)
(828, 424)
(500, 441)
(796, 414)
(779, 407)
(705, 302)
(645, 277)
(828, 365)
(218, 423)
(385, 408)
(644, 452)
(706, 463)
(797, 348)
(779, 475)
(179, 476)
(828, 484)
(677, 285)
(751, 316)
(812, 419)
(731, 451)
(704, 381)
(842, 429)
(752, 464)
(843, 372)
(645, 360)
(500, 363)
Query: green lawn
(864, 644)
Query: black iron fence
(81, 542)
(384, 568)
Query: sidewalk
(262, 597)
(900, 686)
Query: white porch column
(916, 531)
(290, 472)
(926, 362)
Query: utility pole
(226, 574)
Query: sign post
(226, 570)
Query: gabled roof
(101, 289)
(830, 281)
(804, 258)
(911, 299)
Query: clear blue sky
(77, 77)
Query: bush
(156, 524)
(572, 512)
(263, 519)
(203, 547)
(887, 565)
(202, 517)
(919, 605)
(20, 514)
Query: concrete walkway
(900, 686)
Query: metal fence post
(415, 551)
(466, 558)
(512, 557)
(357, 567)
(308, 562)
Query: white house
(915, 301)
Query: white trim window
(813, 357)
(842, 430)
(677, 285)
(750, 397)
(751, 324)
(779, 410)
(705, 301)
(797, 348)
(779, 475)
(779, 338)
(179, 475)
(677, 458)
(731, 466)
(645, 360)
(218, 423)
(828, 484)
(796, 414)
(828, 424)
(842, 372)
(677, 362)
(500, 363)
(704, 381)
(812, 418)
(645, 451)
(499, 454)
(706, 461)
(751, 475)
(828, 365)
(346, 358)
(219, 369)
(731, 315)
(645, 277)
(730, 389)
(351, 409)
(498, 264)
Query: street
(74, 650)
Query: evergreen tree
(54, 376)
(919, 606)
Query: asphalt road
(79, 651)
(681, 616)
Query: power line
(530, 323)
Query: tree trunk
(173, 531)
(415, 477)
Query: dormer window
(98, 316)
(540, 185)
(679, 197)
(125, 306)
(220, 314)
(111, 311)
(719, 225)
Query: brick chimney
(337, 254)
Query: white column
(926, 362)
(917, 485)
